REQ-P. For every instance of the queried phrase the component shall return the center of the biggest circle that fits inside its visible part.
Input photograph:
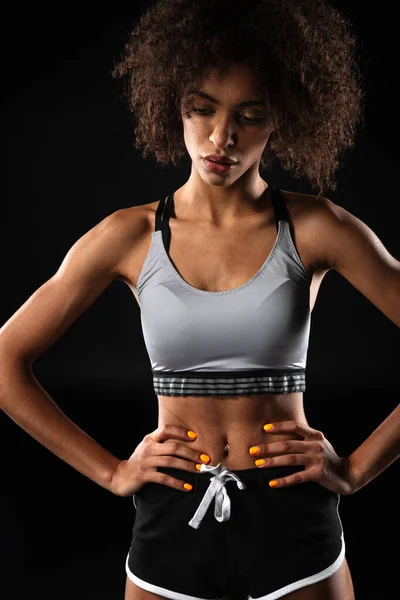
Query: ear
(275, 126)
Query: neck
(197, 200)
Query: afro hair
(302, 54)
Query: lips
(219, 167)
(224, 160)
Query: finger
(172, 462)
(286, 460)
(286, 446)
(298, 427)
(171, 431)
(177, 449)
(294, 479)
(164, 479)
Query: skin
(209, 210)
(215, 199)
(215, 246)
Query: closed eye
(204, 112)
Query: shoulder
(333, 234)
(122, 232)
(131, 222)
(138, 218)
(122, 228)
(353, 249)
(319, 224)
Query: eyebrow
(240, 105)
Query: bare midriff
(227, 426)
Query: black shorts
(234, 534)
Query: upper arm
(355, 251)
(89, 266)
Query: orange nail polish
(205, 457)
(198, 467)
(254, 450)
(273, 483)
(192, 434)
(259, 462)
(268, 427)
(187, 486)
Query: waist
(227, 427)
(229, 383)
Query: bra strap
(162, 218)
(279, 206)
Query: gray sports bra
(252, 339)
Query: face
(218, 125)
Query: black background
(70, 161)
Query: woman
(235, 491)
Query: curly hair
(302, 54)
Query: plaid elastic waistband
(229, 383)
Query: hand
(322, 463)
(152, 452)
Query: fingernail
(268, 427)
(205, 457)
(259, 462)
(198, 467)
(273, 483)
(254, 450)
(192, 434)
(187, 486)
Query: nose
(224, 133)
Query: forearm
(25, 401)
(377, 452)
